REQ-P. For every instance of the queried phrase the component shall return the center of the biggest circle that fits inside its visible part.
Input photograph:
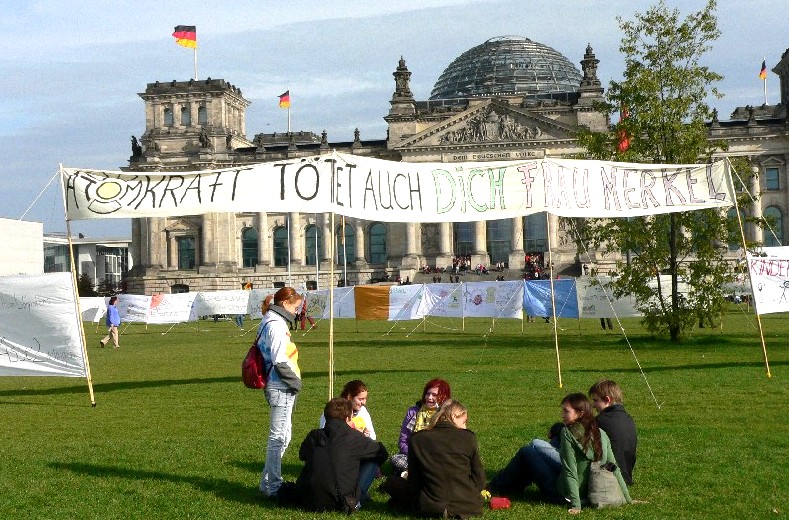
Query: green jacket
(574, 477)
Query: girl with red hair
(418, 417)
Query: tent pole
(76, 295)
(553, 298)
(331, 311)
(745, 250)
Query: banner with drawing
(770, 280)
(389, 191)
(596, 299)
(443, 300)
(493, 299)
(172, 308)
(40, 327)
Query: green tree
(662, 101)
(85, 286)
(105, 289)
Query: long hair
(444, 391)
(591, 432)
(282, 295)
(448, 411)
(353, 388)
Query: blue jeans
(536, 463)
(367, 471)
(281, 403)
(240, 321)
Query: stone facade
(201, 125)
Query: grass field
(176, 435)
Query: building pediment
(180, 225)
(491, 122)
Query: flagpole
(195, 49)
(764, 82)
(288, 116)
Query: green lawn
(176, 435)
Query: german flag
(284, 99)
(186, 35)
(763, 72)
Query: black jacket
(621, 430)
(334, 450)
(445, 471)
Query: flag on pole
(624, 139)
(186, 36)
(763, 72)
(284, 100)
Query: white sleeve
(322, 421)
(368, 421)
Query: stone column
(444, 258)
(756, 232)
(360, 246)
(516, 244)
(264, 251)
(296, 256)
(411, 258)
(203, 249)
(480, 255)
(328, 236)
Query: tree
(663, 113)
(85, 286)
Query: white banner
(405, 302)
(40, 327)
(378, 190)
(493, 299)
(92, 308)
(597, 301)
(221, 302)
(344, 303)
(770, 280)
(443, 299)
(134, 308)
(172, 308)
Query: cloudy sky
(70, 71)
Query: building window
(115, 264)
(774, 234)
(202, 115)
(168, 116)
(377, 243)
(186, 116)
(249, 247)
(464, 238)
(535, 233)
(56, 259)
(281, 249)
(499, 234)
(346, 245)
(313, 237)
(771, 180)
(186, 253)
(179, 288)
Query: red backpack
(253, 371)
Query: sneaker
(101, 344)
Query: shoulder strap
(257, 340)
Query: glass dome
(508, 65)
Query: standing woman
(281, 359)
(445, 473)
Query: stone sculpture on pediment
(180, 225)
(489, 127)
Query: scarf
(282, 311)
(421, 419)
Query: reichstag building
(507, 98)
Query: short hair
(606, 388)
(353, 388)
(338, 408)
(444, 391)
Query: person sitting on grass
(582, 443)
(356, 392)
(340, 462)
(612, 418)
(417, 418)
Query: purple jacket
(406, 428)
